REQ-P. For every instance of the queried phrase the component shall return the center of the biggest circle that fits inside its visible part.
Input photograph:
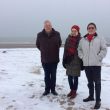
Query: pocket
(99, 60)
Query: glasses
(90, 28)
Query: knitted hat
(75, 27)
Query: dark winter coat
(71, 63)
(49, 45)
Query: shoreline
(23, 45)
(15, 45)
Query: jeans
(50, 76)
(93, 74)
(73, 85)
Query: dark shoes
(46, 93)
(54, 92)
(88, 99)
(97, 105)
(72, 94)
(69, 94)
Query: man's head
(47, 26)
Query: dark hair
(92, 24)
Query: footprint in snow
(11, 107)
(4, 52)
(3, 73)
(31, 85)
(69, 108)
(36, 70)
(33, 96)
(106, 65)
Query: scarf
(90, 37)
(72, 45)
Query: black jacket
(49, 46)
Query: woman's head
(91, 28)
(75, 30)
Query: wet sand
(19, 45)
(14, 45)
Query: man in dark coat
(48, 42)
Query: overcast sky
(21, 20)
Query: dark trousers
(93, 74)
(50, 76)
(73, 85)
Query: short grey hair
(47, 21)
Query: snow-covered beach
(22, 83)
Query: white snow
(22, 83)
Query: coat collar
(52, 32)
(95, 35)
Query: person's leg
(97, 80)
(89, 75)
(75, 85)
(70, 81)
(47, 80)
(53, 77)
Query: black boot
(88, 99)
(54, 92)
(97, 105)
(46, 93)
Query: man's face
(48, 27)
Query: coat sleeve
(64, 55)
(60, 41)
(103, 49)
(38, 42)
(80, 51)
